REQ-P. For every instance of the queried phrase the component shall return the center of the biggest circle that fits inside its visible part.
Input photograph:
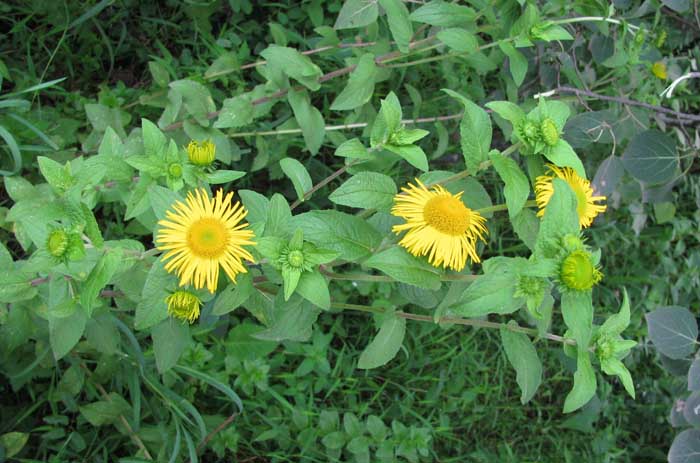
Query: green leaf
(154, 142)
(517, 187)
(234, 295)
(162, 199)
(491, 293)
(385, 345)
(508, 111)
(353, 149)
(475, 132)
(106, 411)
(99, 277)
(560, 217)
(577, 310)
(614, 367)
(584, 383)
(92, 229)
(516, 62)
(314, 288)
(257, 205)
(298, 174)
(102, 334)
(673, 330)
(241, 343)
(411, 153)
(616, 323)
(152, 309)
(224, 176)
(13, 442)
(279, 216)
(160, 73)
(563, 155)
(526, 363)
(290, 278)
(400, 265)
(295, 65)
(458, 40)
(405, 136)
(226, 63)
(64, 333)
(170, 338)
(387, 122)
(651, 157)
(551, 32)
(357, 13)
(399, 23)
(309, 119)
(293, 321)
(439, 13)
(235, 112)
(57, 175)
(360, 86)
(16, 286)
(352, 237)
(196, 99)
(366, 190)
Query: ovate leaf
(526, 363)
(673, 330)
(385, 345)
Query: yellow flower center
(578, 272)
(207, 238)
(447, 214)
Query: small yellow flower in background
(578, 271)
(659, 70)
(183, 305)
(438, 225)
(201, 153)
(587, 208)
(202, 235)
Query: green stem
(581, 19)
(386, 278)
(457, 321)
(442, 57)
(503, 207)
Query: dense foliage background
(78, 78)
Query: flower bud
(201, 153)
(578, 272)
(549, 131)
(183, 305)
(57, 243)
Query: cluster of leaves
(81, 280)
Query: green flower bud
(295, 259)
(175, 170)
(530, 286)
(578, 272)
(549, 131)
(572, 242)
(201, 153)
(57, 243)
(605, 348)
(529, 132)
(183, 305)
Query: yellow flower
(203, 234)
(201, 153)
(438, 225)
(183, 305)
(659, 70)
(587, 208)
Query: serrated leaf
(439, 13)
(399, 23)
(234, 295)
(99, 277)
(353, 149)
(295, 65)
(224, 176)
(516, 62)
(458, 39)
(413, 154)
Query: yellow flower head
(659, 70)
(183, 305)
(587, 208)
(438, 225)
(201, 153)
(202, 234)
